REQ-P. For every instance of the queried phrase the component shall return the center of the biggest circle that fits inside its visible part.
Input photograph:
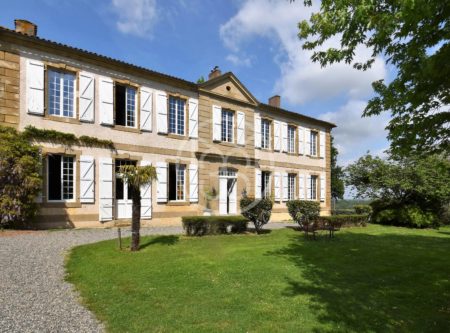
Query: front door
(227, 192)
(124, 203)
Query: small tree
(303, 212)
(137, 176)
(20, 179)
(257, 211)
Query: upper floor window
(125, 105)
(265, 133)
(313, 194)
(60, 171)
(291, 139)
(176, 115)
(176, 180)
(61, 94)
(313, 144)
(227, 125)
(291, 186)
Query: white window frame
(178, 168)
(291, 186)
(176, 105)
(313, 143)
(226, 130)
(313, 193)
(127, 110)
(74, 173)
(61, 75)
(265, 133)
(265, 175)
(291, 139)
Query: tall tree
(337, 175)
(137, 176)
(411, 35)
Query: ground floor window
(291, 186)
(313, 193)
(176, 180)
(60, 177)
(122, 190)
(265, 184)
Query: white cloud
(239, 61)
(136, 17)
(301, 80)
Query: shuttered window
(125, 104)
(61, 92)
(291, 186)
(313, 193)
(313, 144)
(265, 184)
(176, 179)
(60, 173)
(227, 125)
(177, 107)
(291, 139)
(265, 134)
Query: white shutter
(35, 87)
(258, 185)
(232, 197)
(146, 197)
(217, 123)
(161, 173)
(308, 141)
(161, 111)
(87, 179)
(284, 135)
(223, 192)
(146, 109)
(308, 187)
(277, 184)
(322, 187)
(322, 144)
(106, 94)
(276, 135)
(301, 140)
(302, 187)
(241, 128)
(106, 189)
(285, 186)
(87, 96)
(193, 117)
(257, 131)
(193, 182)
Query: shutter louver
(322, 144)
(277, 184)
(161, 173)
(87, 179)
(217, 123)
(106, 93)
(257, 131)
(241, 128)
(87, 97)
(161, 112)
(307, 141)
(146, 197)
(284, 131)
(193, 182)
(285, 186)
(193, 117)
(146, 109)
(258, 184)
(301, 187)
(106, 189)
(301, 140)
(276, 135)
(308, 187)
(322, 187)
(35, 87)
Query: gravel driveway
(33, 294)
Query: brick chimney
(215, 72)
(26, 27)
(275, 101)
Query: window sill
(126, 129)
(228, 144)
(313, 157)
(177, 136)
(178, 203)
(63, 119)
(60, 204)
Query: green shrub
(345, 220)
(213, 225)
(342, 211)
(362, 209)
(391, 213)
(302, 211)
(257, 211)
(20, 179)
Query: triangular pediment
(228, 85)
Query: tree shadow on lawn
(373, 283)
(163, 240)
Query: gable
(229, 86)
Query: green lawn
(374, 279)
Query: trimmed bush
(362, 209)
(339, 221)
(302, 211)
(342, 211)
(257, 211)
(213, 225)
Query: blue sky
(255, 39)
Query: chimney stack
(275, 101)
(215, 72)
(26, 27)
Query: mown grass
(374, 279)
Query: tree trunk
(135, 219)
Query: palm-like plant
(137, 176)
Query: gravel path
(33, 294)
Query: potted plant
(209, 195)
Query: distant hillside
(349, 204)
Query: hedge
(213, 225)
(345, 220)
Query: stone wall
(9, 89)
